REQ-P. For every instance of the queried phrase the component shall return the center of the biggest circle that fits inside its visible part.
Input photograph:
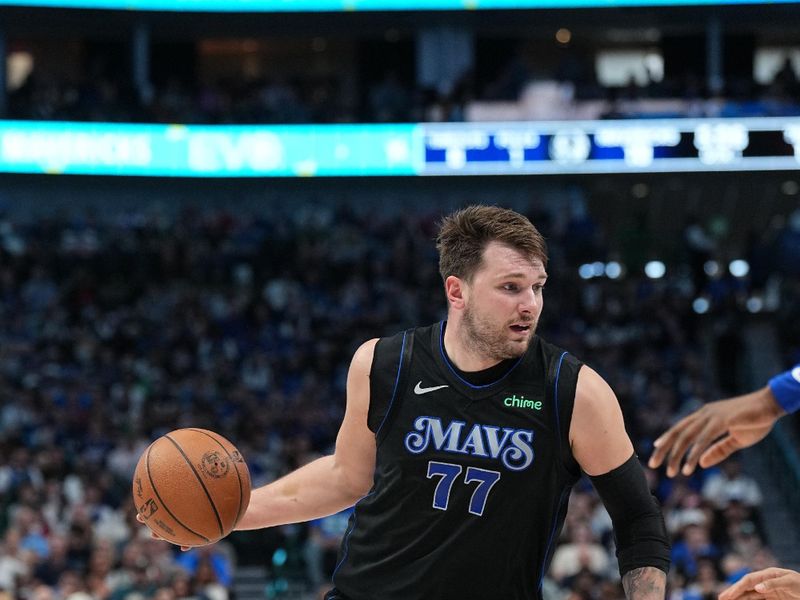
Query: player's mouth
(520, 328)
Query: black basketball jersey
(471, 482)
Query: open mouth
(520, 328)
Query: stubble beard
(481, 338)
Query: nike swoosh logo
(419, 390)
(796, 373)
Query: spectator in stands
(694, 543)
(729, 484)
(706, 584)
(13, 566)
(217, 558)
(580, 552)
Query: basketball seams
(200, 480)
(235, 468)
(161, 501)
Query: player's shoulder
(364, 355)
(374, 349)
(553, 353)
(396, 342)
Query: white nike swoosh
(796, 373)
(419, 390)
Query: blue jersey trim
(455, 373)
(566, 491)
(555, 400)
(346, 540)
(564, 496)
(396, 381)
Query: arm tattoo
(645, 583)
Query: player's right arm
(331, 483)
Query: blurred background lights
(755, 304)
(739, 268)
(655, 269)
(790, 187)
(700, 306)
(711, 267)
(613, 270)
(279, 557)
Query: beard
(485, 339)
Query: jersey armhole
(387, 380)
(562, 384)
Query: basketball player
(461, 442)
(714, 432)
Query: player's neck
(461, 353)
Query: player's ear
(455, 289)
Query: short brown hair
(464, 234)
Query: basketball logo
(214, 464)
(148, 508)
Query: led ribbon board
(205, 150)
(566, 147)
(359, 5)
(627, 146)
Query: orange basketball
(191, 486)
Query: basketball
(191, 486)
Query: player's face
(503, 303)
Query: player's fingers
(781, 582)
(681, 445)
(701, 443)
(718, 452)
(152, 533)
(738, 589)
(661, 446)
(666, 439)
(746, 585)
(664, 443)
(751, 595)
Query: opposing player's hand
(769, 584)
(714, 432)
(153, 534)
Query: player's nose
(528, 303)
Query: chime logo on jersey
(522, 402)
(513, 447)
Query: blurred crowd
(117, 328)
(278, 99)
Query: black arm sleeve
(639, 530)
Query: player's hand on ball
(154, 535)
